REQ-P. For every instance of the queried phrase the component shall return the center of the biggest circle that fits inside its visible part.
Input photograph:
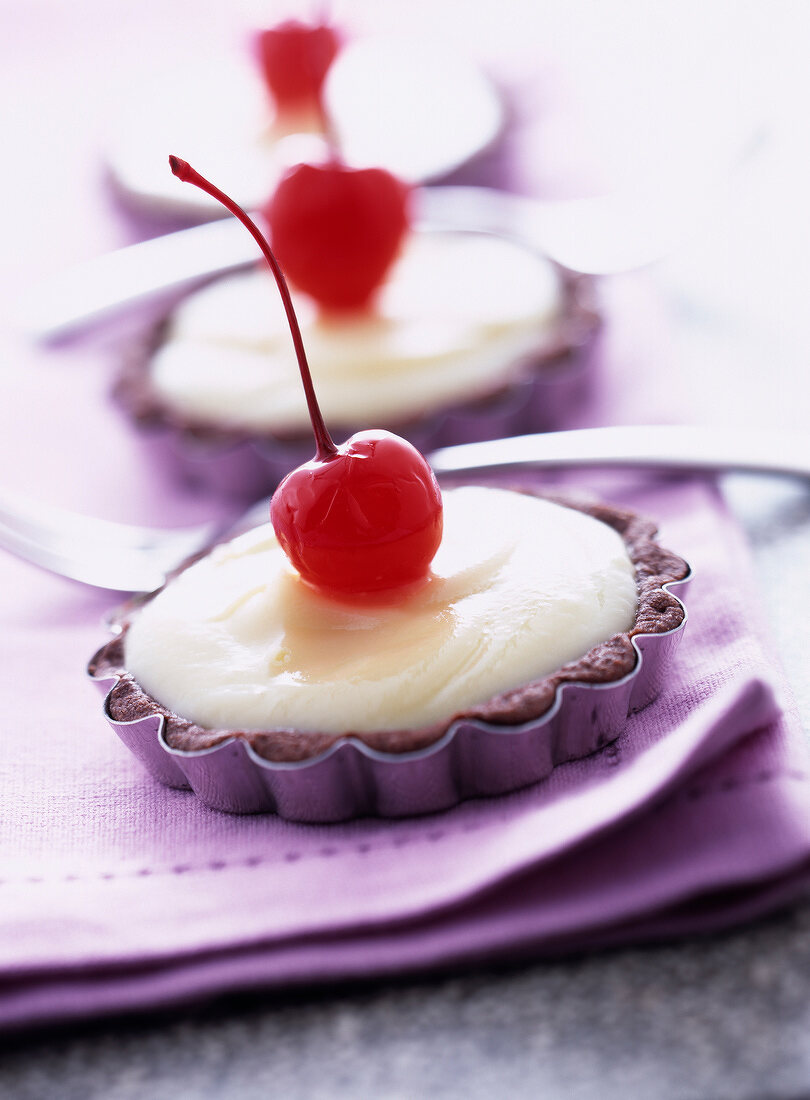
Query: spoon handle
(592, 235)
(674, 447)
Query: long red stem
(324, 447)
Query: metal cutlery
(604, 235)
(138, 559)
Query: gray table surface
(725, 1017)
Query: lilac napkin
(119, 894)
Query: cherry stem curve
(324, 446)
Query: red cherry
(367, 520)
(362, 518)
(294, 59)
(337, 230)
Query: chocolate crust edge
(658, 612)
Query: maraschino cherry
(363, 518)
(294, 59)
(337, 230)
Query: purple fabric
(116, 894)
(119, 894)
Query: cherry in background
(337, 230)
(294, 58)
(363, 518)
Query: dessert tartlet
(472, 337)
(542, 624)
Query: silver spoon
(604, 235)
(138, 559)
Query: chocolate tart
(510, 741)
(536, 392)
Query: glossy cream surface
(457, 312)
(518, 588)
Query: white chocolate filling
(458, 311)
(518, 588)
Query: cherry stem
(324, 446)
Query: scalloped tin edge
(473, 759)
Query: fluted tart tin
(577, 710)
